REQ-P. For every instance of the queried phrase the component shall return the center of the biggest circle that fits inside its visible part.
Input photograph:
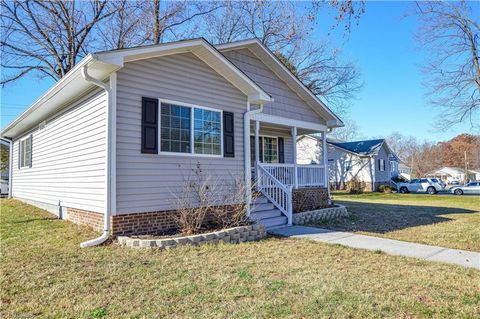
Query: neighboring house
(454, 174)
(111, 144)
(371, 161)
(404, 171)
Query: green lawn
(44, 274)
(443, 220)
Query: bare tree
(48, 37)
(286, 28)
(350, 132)
(450, 33)
(125, 27)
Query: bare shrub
(204, 203)
(356, 186)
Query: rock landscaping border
(319, 214)
(230, 235)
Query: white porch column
(295, 170)
(325, 161)
(257, 151)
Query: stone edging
(319, 214)
(229, 235)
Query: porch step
(266, 214)
(261, 207)
(274, 222)
(260, 200)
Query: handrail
(306, 175)
(280, 195)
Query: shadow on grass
(31, 220)
(383, 218)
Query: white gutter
(106, 216)
(246, 151)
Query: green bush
(385, 189)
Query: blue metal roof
(368, 147)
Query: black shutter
(281, 150)
(149, 125)
(228, 135)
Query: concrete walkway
(393, 247)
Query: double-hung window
(190, 129)
(25, 152)
(269, 149)
(381, 165)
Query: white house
(454, 174)
(113, 140)
(370, 161)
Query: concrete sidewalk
(394, 247)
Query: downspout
(106, 217)
(246, 152)
(10, 166)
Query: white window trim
(263, 147)
(192, 129)
(23, 139)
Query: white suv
(421, 185)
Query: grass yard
(44, 274)
(443, 220)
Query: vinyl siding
(150, 182)
(382, 176)
(360, 168)
(286, 102)
(68, 158)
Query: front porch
(275, 172)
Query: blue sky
(383, 47)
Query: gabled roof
(362, 148)
(269, 58)
(102, 64)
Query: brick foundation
(311, 198)
(87, 218)
(144, 223)
(158, 222)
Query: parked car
(421, 185)
(470, 188)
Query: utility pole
(465, 179)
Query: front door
(271, 149)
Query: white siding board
(68, 158)
(147, 182)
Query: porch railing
(304, 176)
(277, 192)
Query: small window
(424, 180)
(381, 165)
(26, 152)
